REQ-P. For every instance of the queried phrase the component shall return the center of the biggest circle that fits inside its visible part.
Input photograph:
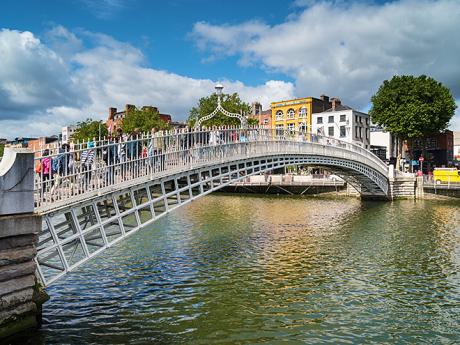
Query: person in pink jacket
(46, 166)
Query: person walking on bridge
(86, 161)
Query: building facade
(296, 114)
(439, 149)
(115, 118)
(457, 146)
(66, 133)
(263, 117)
(344, 123)
(381, 143)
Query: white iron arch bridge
(106, 190)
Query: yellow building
(295, 114)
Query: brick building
(264, 117)
(116, 117)
(439, 149)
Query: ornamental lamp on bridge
(219, 87)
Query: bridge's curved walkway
(82, 224)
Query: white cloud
(348, 49)
(110, 73)
(33, 77)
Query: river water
(270, 270)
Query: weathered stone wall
(20, 295)
(402, 187)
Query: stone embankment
(21, 296)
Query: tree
(2, 148)
(89, 129)
(412, 107)
(206, 105)
(143, 120)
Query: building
(42, 143)
(264, 117)
(19, 142)
(344, 123)
(439, 149)
(381, 143)
(457, 145)
(116, 117)
(66, 133)
(296, 114)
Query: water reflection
(248, 270)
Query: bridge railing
(67, 172)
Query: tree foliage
(89, 129)
(206, 105)
(143, 120)
(2, 148)
(412, 107)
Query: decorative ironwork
(219, 108)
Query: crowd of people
(77, 168)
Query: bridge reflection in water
(89, 207)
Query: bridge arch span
(75, 233)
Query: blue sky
(64, 61)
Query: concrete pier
(21, 296)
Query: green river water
(239, 269)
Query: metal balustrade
(131, 183)
(66, 175)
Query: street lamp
(219, 87)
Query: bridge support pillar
(21, 296)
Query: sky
(65, 61)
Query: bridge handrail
(100, 163)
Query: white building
(67, 132)
(457, 145)
(382, 143)
(344, 123)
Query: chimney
(150, 108)
(129, 107)
(324, 98)
(256, 108)
(112, 112)
(335, 102)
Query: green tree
(89, 129)
(144, 120)
(206, 105)
(2, 148)
(412, 107)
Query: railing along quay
(73, 172)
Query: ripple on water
(249, 270)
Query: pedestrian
(86, 161)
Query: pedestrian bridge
(96, 194)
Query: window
(290, 114)
(367, 121)
(303, 112)
(330, 119)
(343, 118)
(291, 127)
(319, 120)
(279, 127)
(367, 133)
(360, 132)
(265, 121)
(320, 131)
(279, 115)
(356, 131)
(356, 118)
(302, 126)
(330, 131)
(343, 132)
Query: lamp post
(219, 87)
